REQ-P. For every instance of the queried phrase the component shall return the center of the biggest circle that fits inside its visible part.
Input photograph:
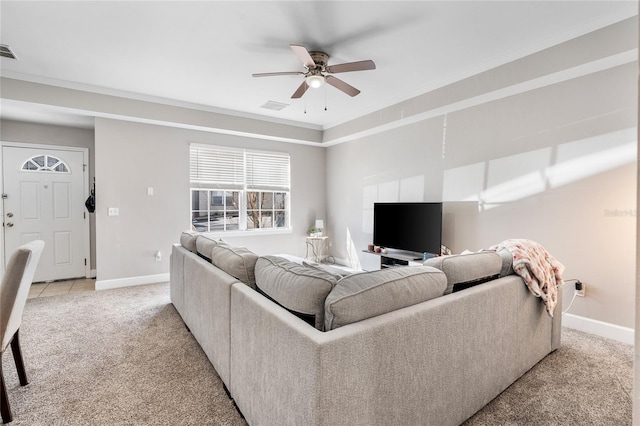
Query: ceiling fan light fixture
(315, 80)
(317, 72)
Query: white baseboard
(599, 328)
(131, 281)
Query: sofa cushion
(364, 295)
(291, 258)
(188, 240)
(466, 270)
(204, 246)
(239, 262)
(299, 289)
(326, 268)
(507, 261)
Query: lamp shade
(315, 80)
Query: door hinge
(85, 261)
(84, 167)
(84, 215)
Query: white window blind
(227, 168)
(267, 170)
(217, 168)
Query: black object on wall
(90, 204)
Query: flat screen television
(415, 227)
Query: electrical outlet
(580, 289)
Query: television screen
(415, 227)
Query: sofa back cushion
(507, 261)
(188, 240)
(466, 270)
(364, 295)
(338, 273)
(204, 246)
(239, 262)
(297, 288)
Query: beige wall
(130, 157)
(23, 132)
(548, 153)
(557, 166)
(116, 107)
(546, 144)
(403, 164)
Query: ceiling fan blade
(303, 54)
(270, 74)
(341, 85)
(352, 66)
(300, 91)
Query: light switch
(114, 211)
(150, 190)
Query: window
(45, 163)
(238, 190)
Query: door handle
(9, 224)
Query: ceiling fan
(318, 71)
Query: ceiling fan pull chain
(325, 98)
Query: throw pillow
(368, 294)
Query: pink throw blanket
(538, 268)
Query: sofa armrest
(272, 350)
(176, 276)
(201, 293)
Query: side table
(318, 248)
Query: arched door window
(45, 163)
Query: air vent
(275, 106)
(5, 52)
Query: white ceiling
(202, 54)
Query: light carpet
(114, 357)
(587, 381)
(124, 357)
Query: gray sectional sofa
(296, 344)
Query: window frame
(230, 182)
(45, 167)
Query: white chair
(14, 290)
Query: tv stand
(392, 262)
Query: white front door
(44, 194)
